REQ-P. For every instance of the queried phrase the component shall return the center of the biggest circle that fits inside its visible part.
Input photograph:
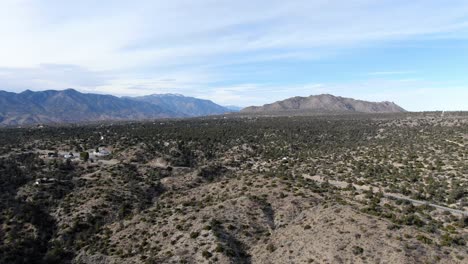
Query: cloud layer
(205, 48)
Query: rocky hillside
(70, 106)
(325, 103)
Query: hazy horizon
(411, 53)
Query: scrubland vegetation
(242, 189)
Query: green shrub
(206, 254)
(271, 247)
(194, 234)
(357, 250)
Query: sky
(414, 53)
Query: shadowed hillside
(70, 106)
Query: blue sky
(414, 53)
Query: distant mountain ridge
(67, 106)
(183, 105)
(325, 103)
(233, 107)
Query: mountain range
(184, 106)
(325, 103)
(69, 106)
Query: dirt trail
(456, 143)
(342, 184)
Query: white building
(101, 152)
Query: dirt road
(341, 184)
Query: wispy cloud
(133, 48)
(51, 76)
(391, 72)
(258, 94)
(181, 32)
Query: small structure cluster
(101, 152)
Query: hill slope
(69, 105)
(187, 106)
(325, 103)
(237, 190)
